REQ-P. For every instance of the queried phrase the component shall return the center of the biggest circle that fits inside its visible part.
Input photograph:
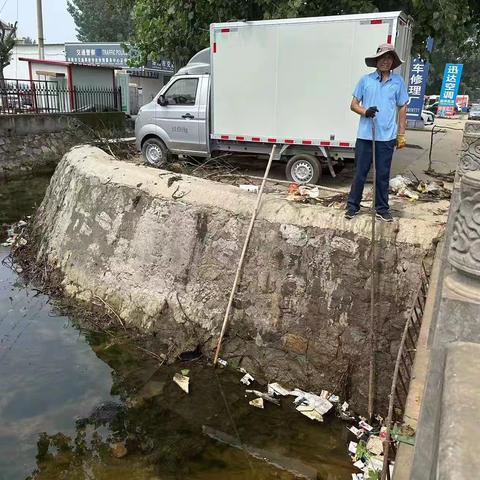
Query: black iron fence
(39, 96)
(403, 371)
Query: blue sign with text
(417, 83)
(450, 85)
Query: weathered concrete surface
(31, 141)
(460, 418)
(122, 232)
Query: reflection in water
(83, 405)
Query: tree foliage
(179, 28)
(101, 20)
(7, 42)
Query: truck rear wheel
(303, 168)
(155, 152)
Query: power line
(3, 6)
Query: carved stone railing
(455, 329)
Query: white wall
(19, 69)
(150, 87)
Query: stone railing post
(470, 151)
(464, 248)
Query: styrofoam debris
(334, 398)
(222, 362)
(375, 445)
(344, 406)
(247, 379)
(358, 476)
(257, 402)
(352, 447)
(277, 389)
(310, 412)
(182, 381)
(359, 464)
(322, 405)
(324, 394)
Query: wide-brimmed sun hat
(382, 50)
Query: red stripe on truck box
(224, 30)
(224, 137)
(289, 140)
(324, 143)
(240, 138)
(306, 142)
(214, 47)
(376, 22)
(272, 140)
(255, 139)
(389, 39)
(344, 144)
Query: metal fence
(42, 96)
(403, 371)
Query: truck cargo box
(291, 81)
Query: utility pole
(41, 40)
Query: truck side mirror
(162, 101)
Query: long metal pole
(242, 256)
(41, 39)
(371, 380)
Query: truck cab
(176, 119)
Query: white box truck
(287, 82)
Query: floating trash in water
(310, 412)
(358, 432)
(185, 372)
(375, 445)
(182, 381)
(277, 389)
(119, 450)
(334, 398)
(247, 379)
(257, 402)
(352, 447)
(365, 426)
(344, 406)
(265, 396)
(222, 362)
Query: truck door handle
(188, 115)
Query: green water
(71, 399)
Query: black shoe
(385, 216)
(350, 213)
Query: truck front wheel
(303, 168)
(155, 152)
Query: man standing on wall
(377, 98)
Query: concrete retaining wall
(31, 141)
(163, 252)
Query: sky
(58, 25)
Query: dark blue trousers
(363, 162)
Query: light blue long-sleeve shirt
(387, 96)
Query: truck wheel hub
(302, 172)
(154, 154)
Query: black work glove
(371, 111)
